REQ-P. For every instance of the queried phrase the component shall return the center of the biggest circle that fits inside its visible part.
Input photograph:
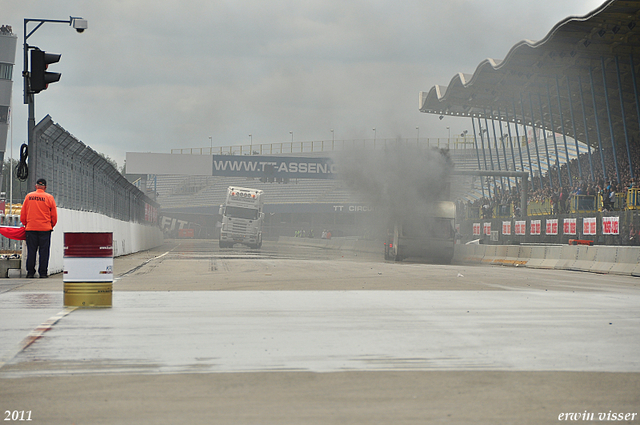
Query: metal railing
(457, 143)
(633, 198)
(576, 204)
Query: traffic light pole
(29, 98)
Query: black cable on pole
(22, 170)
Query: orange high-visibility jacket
(39, 212)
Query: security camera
(80, 25)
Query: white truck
(242, 217)
(431, 235)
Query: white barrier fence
(624, 260)
(127, 237)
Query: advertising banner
(610, 225)
(552, 226)
(589, 226)
(506, 227)
(535, 227)
(521, 228)
(569, 226)
(274, 167)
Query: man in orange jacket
(39, 216)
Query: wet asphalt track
(288, 309)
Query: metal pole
(546, 146)
(624, 118)
(475, 142)
(573, 123)
(586, 129)
(595, 113)
(524, 128)
(553, 134)
(484, 156)
(504, 149)
(486, 124)
(495, 142)
(513, 155)
(564, 134)
(535, 139)
(606, 99)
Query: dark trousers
(38, 242)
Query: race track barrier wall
(127, 237)
(604, 259)
(628, 261)
(537, 256)
(585, 258)
(551, 257)
(490, 254)
(567, 258)
(623, 260)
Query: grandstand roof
(535, 81)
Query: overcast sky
(151, 76)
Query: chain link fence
(81, 179)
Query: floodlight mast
(29, 99)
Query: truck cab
(242, 218)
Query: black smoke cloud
(402, 182)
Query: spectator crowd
(559, 193)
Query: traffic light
(40, 78)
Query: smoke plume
(402, 182)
